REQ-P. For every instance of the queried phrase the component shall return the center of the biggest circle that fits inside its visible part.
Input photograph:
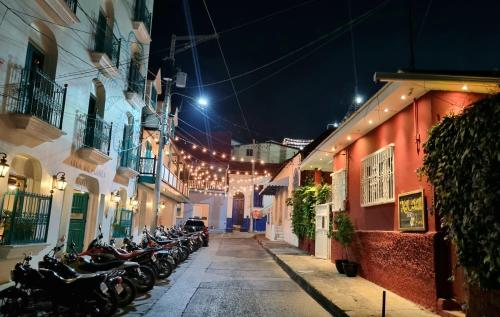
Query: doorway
(78, 220)
(238, 209)
(322, 224)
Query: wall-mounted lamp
(12, 183)
(115, 196)
(59, 181)
(162, 205)
(133, 203)
(4, 167)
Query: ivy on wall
(462, 162)
(303, 201)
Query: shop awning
(272, 187)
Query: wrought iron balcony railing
(200, 184)
(35, 93)
(147, 167)
(24, 218)
(94, 133)
(136, 81)
(72, 4)
(106, 42)
(142, 14)
(129, 159)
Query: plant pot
(339, 265)
(350, 268)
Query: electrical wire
(270, 15)
(228, 71)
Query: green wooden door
(78, 219)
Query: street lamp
(59, 181)
(4, 167)
(203, 102)
(358, 99)
(116, 197)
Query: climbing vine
(462, 161)
(303, 201)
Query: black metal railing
(106, 42)
(142, 14)
(136, 81)
(24, 218)
(129, 159)
(72, 4)
(147, 166)
(94, 133)
(36, 94)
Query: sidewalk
(340, 295)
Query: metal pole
(250, 229)
(164, 135)
(383, 303)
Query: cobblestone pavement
(234, 276)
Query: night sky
(319, 84)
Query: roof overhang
(398, 92)
(272, 188)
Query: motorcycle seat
(105, 266)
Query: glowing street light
(358, 100)
(202, 101)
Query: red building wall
(402, 262)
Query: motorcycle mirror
(73, 244)
(100, 228)
(101, 236)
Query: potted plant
(344, 235)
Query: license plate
(119, 288)
(104, 288)
(153, 257)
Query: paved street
(232, 277)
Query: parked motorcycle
(43, 291)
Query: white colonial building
(73, 89)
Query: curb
(327, 304)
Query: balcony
(136, 86)
(93, 139)
(207, 185)
(34, 108)
(60, 11)
(128, 164)
(106, 54)
(147, 172)
(142, 22)
(24, 218)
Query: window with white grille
(377, 177)
(339, 190)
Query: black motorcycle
(45, 291)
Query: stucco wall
(401, 262)
(75, 68)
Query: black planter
(339, 265)
(350, 268)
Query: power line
(227, 70)
(270, 15)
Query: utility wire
(227, 70)
(270, 15)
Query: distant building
(296, 143)
(269, 152)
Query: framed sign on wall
(411, 211)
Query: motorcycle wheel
(184, 254)
(12, 302)
(127, 295)
(146, 281)
(103, 305)
(165, 269)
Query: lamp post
(166, 120)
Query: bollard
(383, 303)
